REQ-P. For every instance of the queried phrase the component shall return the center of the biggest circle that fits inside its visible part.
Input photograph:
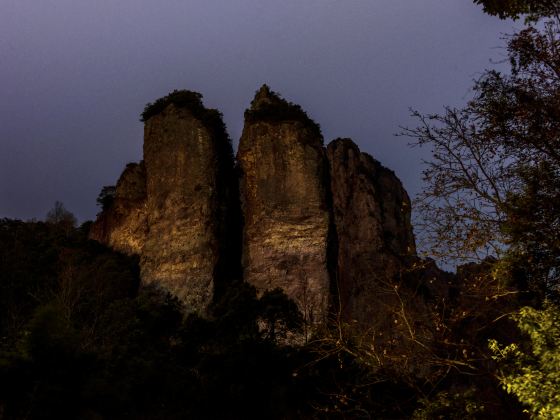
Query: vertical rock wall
(371, 213)
(284, 202)
(329, 227)
(179, 208)
(181, 251)
(124, 226)
(383, 288)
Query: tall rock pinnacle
(189, 198)
(284, 202)
(330, 227)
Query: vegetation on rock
(106, 197)
(271, 107)
(192, 101)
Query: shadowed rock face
(371, 213)
(284, 202)
(384, 290)
(124, 226)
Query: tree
(58, 215)
(492, 186)
(106, 197)
(529, 370)
(533, 9)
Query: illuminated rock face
(286, 216)
(178, 221)
(124, 226)
(181, 251)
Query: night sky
(75, 75)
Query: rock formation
(124, 227)
(184, 210)
(328, 226)
(284, 202)
(371, 213)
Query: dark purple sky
(75, 75)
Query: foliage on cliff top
(211, 118)
(271, 107)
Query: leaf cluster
(529, 370)
(513, 9)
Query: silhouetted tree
(106, 197)
(60, 216)
(533, 9)
(492, 183)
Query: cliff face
(124, 226)
(371, 213)
(284, 202)
(379, 279)
(328, 226)
(174, 209)
(181, 250)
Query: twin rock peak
(330, 226)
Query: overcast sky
(75, 75)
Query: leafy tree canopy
(106, 197)
(529, 370)
(492, 183)
(533, 9)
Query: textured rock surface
(124, 226)
(330, 227)
(383, 288)
(184, 206)
(179, 208)
(372, 218)
(284, 202)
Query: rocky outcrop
(189, 195)
(181, 249)
(124, 226)
(284, 202)
(330, 227)
(371, 213)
